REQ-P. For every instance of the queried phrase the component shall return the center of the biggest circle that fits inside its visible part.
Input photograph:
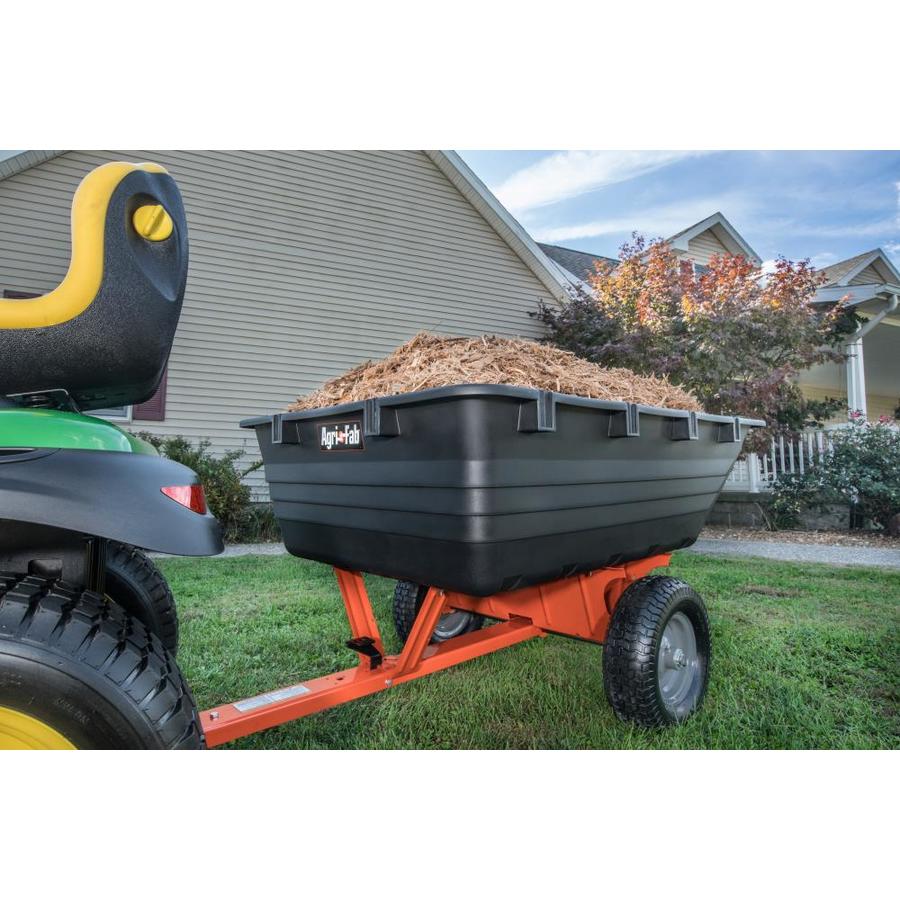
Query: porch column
(856, 377)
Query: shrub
(228, 497)
(260, 524)
(792, 494)
(861, 469)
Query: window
(114, 413)
(154, 409)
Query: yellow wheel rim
(19, 731)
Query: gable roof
(501, 220)
(581, 265)
(578, 263)
(453, 168)
(724, 231)
(842, 273)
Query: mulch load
(429, 361)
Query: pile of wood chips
(429, 361)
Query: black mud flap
(106, 494)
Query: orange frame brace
(579, 607)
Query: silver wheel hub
(452, 624)
(678, 667)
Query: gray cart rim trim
(678, 666)
(457, 391)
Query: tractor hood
(60, 430)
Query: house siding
(869, 275)
(303, 264)
(704, 247)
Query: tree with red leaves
(733, 335)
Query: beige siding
(703, 247)
(880, 405)
(876, 404)
(815, 392)
(869, 275)
(302, 265)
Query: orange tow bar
(580, 607)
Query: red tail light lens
(189, 495)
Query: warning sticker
(272, 697)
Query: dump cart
(504, 514)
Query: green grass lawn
(803, 657)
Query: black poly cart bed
(487, 488)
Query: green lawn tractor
(88, 626)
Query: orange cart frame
(580, 607)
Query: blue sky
(823, 205)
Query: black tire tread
(407, 600)
(96, 633)
(134, 565)
(629, 664)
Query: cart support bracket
(579, 606)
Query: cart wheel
(656, 657)
(134, 582)
(408, 599)
(76, 671)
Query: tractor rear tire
(77, 671)
(408, 598)
(134, 582)
(657, 651)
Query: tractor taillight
(189, 495)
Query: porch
(868, 380)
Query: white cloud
(820, 260)
(567, 174)
(653, 222)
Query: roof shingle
(834, 273)
(582, 265)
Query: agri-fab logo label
(341, 435)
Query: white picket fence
(758, 471)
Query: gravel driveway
(829, 554)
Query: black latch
(538, 414)
(379, 420)
(685, 429)
(366, 646)
(625, 423)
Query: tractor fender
(107, 494)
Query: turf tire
(408, 598)
(134, 582)
(82, 665)
(631, 655)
